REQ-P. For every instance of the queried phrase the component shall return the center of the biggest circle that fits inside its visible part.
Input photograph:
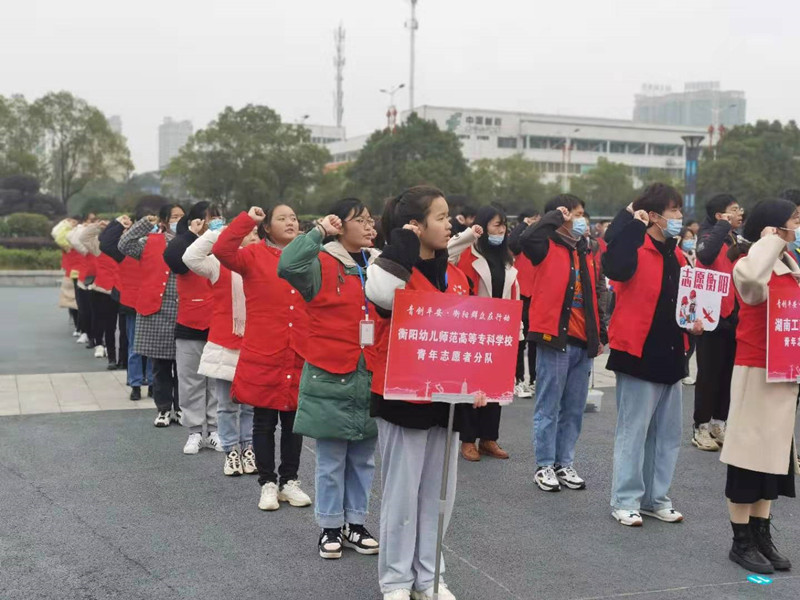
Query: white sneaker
(269, 497)
(76, 333)
(444, 593)
(233, 464)
(193, 444)
(521, 390)
(213, 442)
(162, 420)
(397, 595)
(688, 380)
(531, 387)
(546, 479)
(99, 351)
(82, 339)
(630, 518)
(290, 492)
(569, 477)
(249, 461)
(176, 417)
(701, 438)
(717, 432)
(668, 515)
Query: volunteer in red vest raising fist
(156, 305)
(716, 349)
(647, 354)
(273, 347)
(333, 407)
(412, 436)
(567, 326)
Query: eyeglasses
(364, 222)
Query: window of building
(589, 145)
(483, 137)
(478, 120)
(634, 148)
(498, 122)
(487, 120)
(463, 137)
(470, 119)
(506, 142)
(666, 149)
(616, 147)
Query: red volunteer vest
(751, 333)
(154, 274)
(88, 267)
(221, 331)
(194, 301)
(552, 279)
(76, 262)
(636, 301)
(129, 284)
(457, 283)
(525, 275)
(107, 273)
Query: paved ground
(100, 505)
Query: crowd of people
(238, 327)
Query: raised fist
(257, 214)
(641, 215)
(332, 225)
(477, 230)
(565, 213)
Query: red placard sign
(446, 347)
(783, 335)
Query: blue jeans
(646, 445)
(343, 481)
(136, 369)
(234, 421)
(562, 385)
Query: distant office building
(325, 134)
(115, 123)
(172, 136)
(700, 104)
(559, 145)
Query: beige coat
(761, 421)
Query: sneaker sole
(232, 473)
(663, 520)
(191, 452)
(282, 498)
(573, 486)
(524, 395)
(253, 472)
(161, 424)
(545, 488)
(697, 445)
(634, 524)
(750, 566)
(269, 508)
(330, 555)
(359, 549)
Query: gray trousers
(411, 478)
(198, 402)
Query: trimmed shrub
(29, 260)
(28, 225)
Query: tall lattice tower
(338, 62)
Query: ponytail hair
(413, 204)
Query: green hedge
(29, 260)
(27, 225)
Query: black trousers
(104, 322)
(481, 423)
(716, 351)
(265, 420)
(73, 314)
(84, 300)
(526, 304)
(165, 384)
(122, 359)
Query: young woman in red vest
(647, 353)
(195, 306)
(67, 296)
(760, 449)
(85, 265)
(489, 265)
(411, 436)
(156, 305)
(333, 406)
(140, 370)
(716, 349)
(221, 352)
(273, 347)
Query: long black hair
(165, 211)
(412, 204)
(484, 216)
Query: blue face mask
(496, 240)
(154, 229)
(173, 227)
(795, 245)
(579, 227)
(673, 228)
(216, 224)
(688, 245)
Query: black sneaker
(136, 393)
(149, 391)
(330, 543)
(359, 539)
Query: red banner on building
(783, 335)
(446, 345)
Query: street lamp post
(692, 154)
(391, 113)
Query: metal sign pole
(443, 502)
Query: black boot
(745, 553)
(762, 536)
(136, 393)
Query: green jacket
(329, 405)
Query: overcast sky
(189, 59)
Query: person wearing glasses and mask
(716, 349)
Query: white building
(557, 144)
(325, 134)
(172, 136)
